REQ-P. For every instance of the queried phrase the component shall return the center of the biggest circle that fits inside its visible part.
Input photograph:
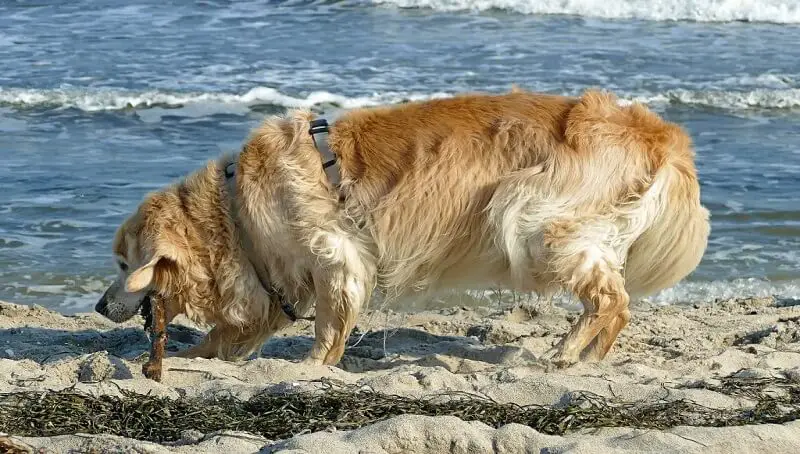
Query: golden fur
(524, 191)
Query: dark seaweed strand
(344, 407)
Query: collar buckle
(318, 126)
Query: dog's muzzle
(102, 306)
(145, 308)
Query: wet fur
(524, 191)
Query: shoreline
(667, 354)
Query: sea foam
(93, 100)
(776, 11)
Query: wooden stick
(153, 367)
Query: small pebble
(793, 374)
(751, 373)
(191, 436)
(96, 368)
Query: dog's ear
(166, 254)
(164, 242)
(142, 276)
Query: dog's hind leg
(605, 313)
(588, 268)
(601, 344)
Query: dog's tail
(651, 163)
(675, 236)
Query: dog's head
(149, 249)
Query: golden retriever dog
(520, 190)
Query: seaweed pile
(335, 405)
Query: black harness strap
(319, 130)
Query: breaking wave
(762, 99)
(775, 11)
(685, 292)
(109, 100)
(113, 100)
(705, 292)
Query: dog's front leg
(207, 348)
(339, 302)
(229, 343)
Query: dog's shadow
(374, 350)
(787, 302)
(46, 346)
(395, 347)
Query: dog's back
(531, 192)
(448, 181)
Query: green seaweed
(335, 405)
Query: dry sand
(488, 351)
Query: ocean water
(102, 101)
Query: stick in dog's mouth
(156, 322)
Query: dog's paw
(309, 361)
(563, 363)
(559, 359)
(550, 354)
(591, 355)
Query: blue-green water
(102, 101)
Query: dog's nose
(102, 306)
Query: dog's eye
(123, 266)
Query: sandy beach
(668, 353)
(102, 103)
